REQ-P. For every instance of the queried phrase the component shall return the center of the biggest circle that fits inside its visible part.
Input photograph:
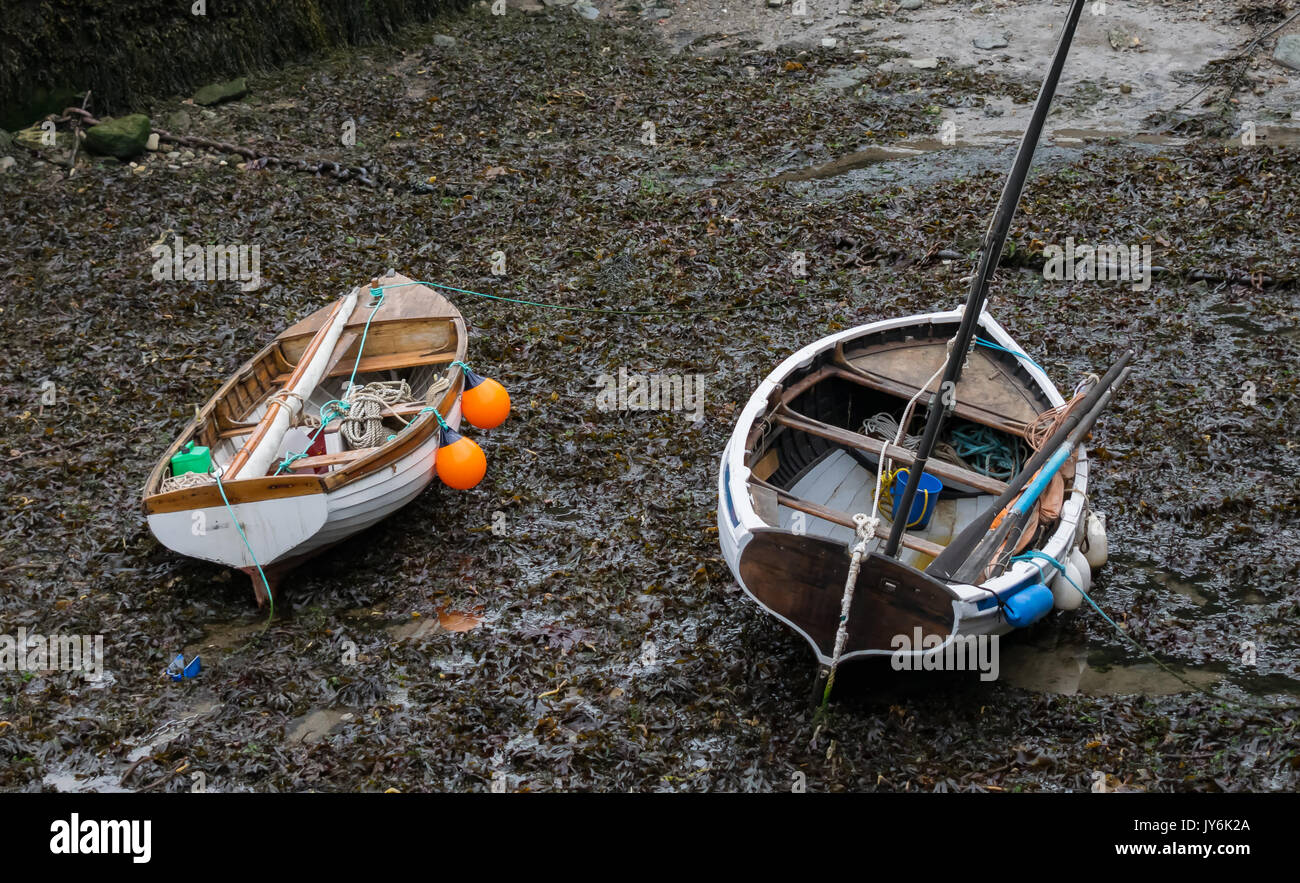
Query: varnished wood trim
(249, 490)
(273, 406)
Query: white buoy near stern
(1095, 546)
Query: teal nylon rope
(601, 310)
(1035, 554)
(243, 536)
(993, 346)
(343, 407)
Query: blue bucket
(927, 497)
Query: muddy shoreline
(613, 650)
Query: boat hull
(291, 530)
(816, 567)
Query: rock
(1125, 88)
(219, 92)
(7, 163)
(586, 10)
(909, 5)
(173, 154)
(989, 41)
(152, 143)
(178, 122)
(1288, 51)
(924, 64)
(776, 4)
(557, 2)
(446, 41)
(5, 140)
(123, 137)
(829, 42)
(656, 12)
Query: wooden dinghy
(269, 409)
(798, 467)
(1003, 532)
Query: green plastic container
(191, 458)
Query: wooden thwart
(946, 471)
(790, 501)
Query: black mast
(994, 239)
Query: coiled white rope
(363, 424)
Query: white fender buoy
(1085, 573)
(1064, 595)
(1095, 546)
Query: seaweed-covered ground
(595, 640)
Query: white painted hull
(976, 612)
(284, 530)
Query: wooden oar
(310, 366)
(959, 550)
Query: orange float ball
(459, 462)
(485, 403)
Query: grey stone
(656, 12)
(219, 92)
(989, 41)
(909, 5)
(924, 64)
(586, 10)
(446, 41)
(178, 121)
(7, 163)
(1288, 51)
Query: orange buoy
(459, 462)
(485, 403)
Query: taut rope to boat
(866, 529)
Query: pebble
(909, 5)
(444, 40)
(7, 163)
(988, 41)
(924, 64)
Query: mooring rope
(1034, 554)
(866, 529)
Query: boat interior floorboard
(839, 481)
